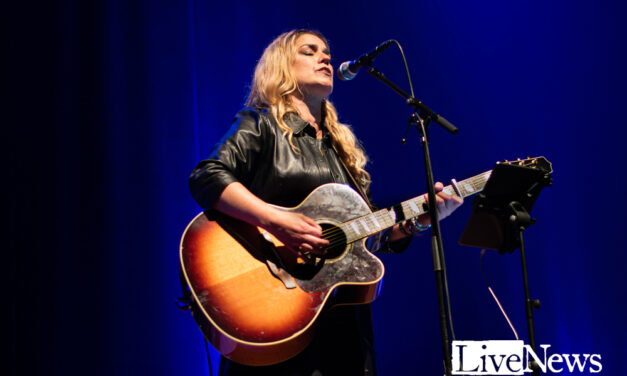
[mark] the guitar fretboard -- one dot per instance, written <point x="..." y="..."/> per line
<point x="383" y="219"/>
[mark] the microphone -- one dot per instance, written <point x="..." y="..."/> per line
<point x="348" y="69"/>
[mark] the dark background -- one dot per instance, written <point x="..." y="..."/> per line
<point x="111" y="104"/>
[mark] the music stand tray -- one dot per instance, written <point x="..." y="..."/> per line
<point x="504" y="206"/>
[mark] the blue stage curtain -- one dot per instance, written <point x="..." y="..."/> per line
<point x="111" y="104"/>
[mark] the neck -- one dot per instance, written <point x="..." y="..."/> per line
<point x="309" y="109"/>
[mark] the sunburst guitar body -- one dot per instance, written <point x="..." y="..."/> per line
<point x="255" y="300"/>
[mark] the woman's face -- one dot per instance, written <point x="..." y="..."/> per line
<point x="312" y="67"/>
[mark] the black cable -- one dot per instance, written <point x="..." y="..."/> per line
<point x="208" y="356"/>
<point x="411" y="86"/>
<point x="446" y="292"/>
<point x="485" y="280"/>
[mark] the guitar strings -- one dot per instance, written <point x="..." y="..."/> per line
<point x="336" y="235"/>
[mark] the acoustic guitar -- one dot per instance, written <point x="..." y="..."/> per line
<point x="257" y="302"/>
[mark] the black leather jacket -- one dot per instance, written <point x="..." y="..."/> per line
<point x="255" y="153"/>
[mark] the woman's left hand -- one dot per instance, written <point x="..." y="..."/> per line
<point x="446" y="204"/>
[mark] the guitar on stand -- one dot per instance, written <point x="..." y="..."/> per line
<point x="257" y="302"/>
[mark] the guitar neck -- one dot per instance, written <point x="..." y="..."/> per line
<point x="383" y="219"/>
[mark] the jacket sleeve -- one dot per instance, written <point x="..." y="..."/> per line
<point x="386" y="246"/>
<point x="233" y="159"/>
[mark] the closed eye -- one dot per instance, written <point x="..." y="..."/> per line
<point x="311" y="49"/>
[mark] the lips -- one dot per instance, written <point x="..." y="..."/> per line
<point x="326" y="71"/>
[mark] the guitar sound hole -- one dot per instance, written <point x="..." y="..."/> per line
<point x="336" y="238"/>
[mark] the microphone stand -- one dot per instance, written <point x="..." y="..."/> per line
<point x="421" y="118"/>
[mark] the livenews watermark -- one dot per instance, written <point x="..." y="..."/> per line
<point x="514" y="358"/>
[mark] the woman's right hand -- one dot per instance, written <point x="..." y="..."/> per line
<point x="298" y="232"/>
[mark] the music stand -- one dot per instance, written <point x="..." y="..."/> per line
<point x="501" y="214"/>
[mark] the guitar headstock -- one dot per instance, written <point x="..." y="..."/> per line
<point x="539" y="163"/>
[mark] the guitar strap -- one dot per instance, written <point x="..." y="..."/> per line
<point x="354" y="181"/>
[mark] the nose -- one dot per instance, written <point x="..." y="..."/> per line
<point x="324" y="58"/>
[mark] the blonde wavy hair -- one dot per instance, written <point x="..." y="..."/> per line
<point x="272" y="84"/>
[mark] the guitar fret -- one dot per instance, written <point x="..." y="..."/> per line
<point x="407" y="212"/>
<point x="386" y="217"/>
<point x="354" y="226"/>
<point x="375" y="221"/>
<point x="346" y="230"/>
<point x="354" y="234"/>
<point x="462" y="191"/>
<point x="466" y="191"/>
<point x="365" y="225"/>
<point x="468" y="187"/>
<point x="413" y="206"/>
